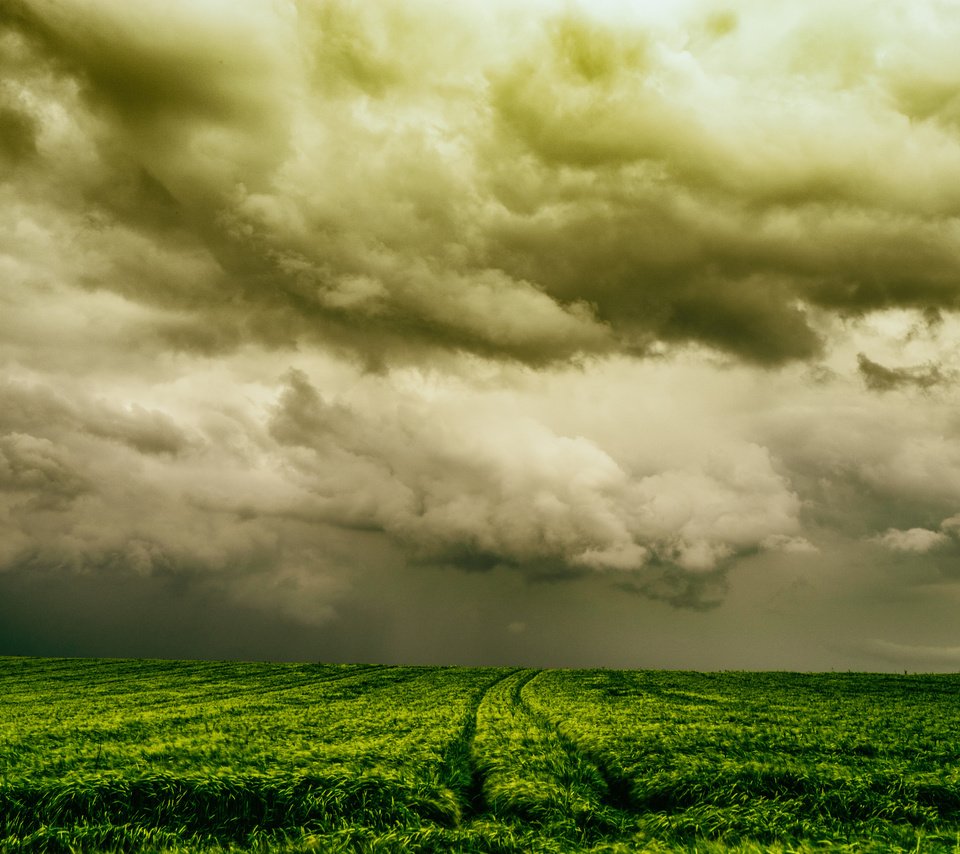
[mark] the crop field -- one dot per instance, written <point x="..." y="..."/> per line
<point x="113" y="755"/>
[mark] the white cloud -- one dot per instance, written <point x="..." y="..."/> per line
<point x="447" y="474"/>
<point x="951" y="524"/>
<point x="919" y="540"/>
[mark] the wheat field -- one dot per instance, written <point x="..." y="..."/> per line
<point x="128" y="755"/>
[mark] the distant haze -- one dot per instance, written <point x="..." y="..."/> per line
<point x="553" y="333"/>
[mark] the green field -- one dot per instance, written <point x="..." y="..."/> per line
<point x="107" y="755"/>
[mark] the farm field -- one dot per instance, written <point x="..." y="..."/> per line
<point x="117" y="755"/>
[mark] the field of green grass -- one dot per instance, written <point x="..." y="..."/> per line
<point x="113" y="755"/>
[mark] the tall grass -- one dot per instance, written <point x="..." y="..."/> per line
<point x="221" y="757"/>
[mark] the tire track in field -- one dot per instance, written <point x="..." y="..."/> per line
<point x="616" y="794"/>
<point x="531" y="773"/>
<point x="459" y="763"/>
<point x="479" y="774"/>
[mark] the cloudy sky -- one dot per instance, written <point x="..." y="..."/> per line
<point x="554" y="333"/>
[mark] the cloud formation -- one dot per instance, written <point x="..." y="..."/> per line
<point x="878" y="377"/>
<point x="301" y="302"/>
<point x="913" y="540"/>
<point x="449" y="475"/>
<point x="535" y="185"/>
<point x="500" y="487"/>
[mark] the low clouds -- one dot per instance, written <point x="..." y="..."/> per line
<point x="503" y="486"/>
<point x="446" y="472"/>
<point x="279" y="493"/>
<point x="116" y="492"/>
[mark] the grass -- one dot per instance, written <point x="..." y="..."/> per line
<point x="109" y="755"/>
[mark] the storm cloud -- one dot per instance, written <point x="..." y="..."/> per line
<point x="878" y="377"/>
<point x="502" y="485"/>
<point x="341" y="313"/>
<point x="530" y="187"/>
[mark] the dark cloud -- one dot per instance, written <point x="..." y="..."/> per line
<point x="681" y="590"/>
<point x="877" y="377"/>
<point x="584" y="190"/>
<point x="159" y="72"/>
<point x="18" y="132"/>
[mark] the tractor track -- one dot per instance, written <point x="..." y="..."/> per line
<point x="616" y="794"/>
<point x="465" y="774"/>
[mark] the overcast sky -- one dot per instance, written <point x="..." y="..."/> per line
<point x="548" y="333"/>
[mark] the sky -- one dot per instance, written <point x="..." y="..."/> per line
<point x="568" y="334"/>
